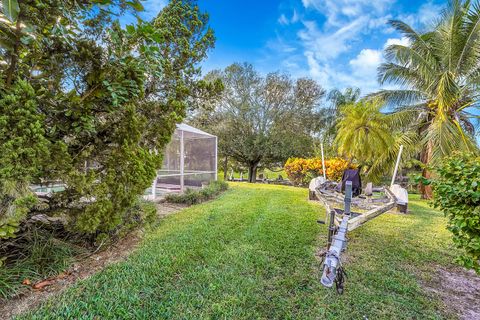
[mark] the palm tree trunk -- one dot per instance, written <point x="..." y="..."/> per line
<point x="426" y="157"/>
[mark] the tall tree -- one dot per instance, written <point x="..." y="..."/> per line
<point x="439" y="71"/>
<point x="262" y="120"/>
<point x="91" y="104"/>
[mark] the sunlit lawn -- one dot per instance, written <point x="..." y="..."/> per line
<point x="250" y="254"/>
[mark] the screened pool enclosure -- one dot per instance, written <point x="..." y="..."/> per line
<point x="190" y="160"/>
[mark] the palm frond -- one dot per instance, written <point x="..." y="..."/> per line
<point x="470" y="44"/>
<point x="399" y="97"/>
<point x="401" y="75"/>
<point x="446" y="137"/>
<point x="408" y="56"/>
<point x="409" y="33"/>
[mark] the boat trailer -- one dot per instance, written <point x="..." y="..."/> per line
<point x="340" y="222"/>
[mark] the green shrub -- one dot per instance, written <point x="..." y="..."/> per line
<point x="142" y="214"/>
<point x="300" y="170"/>
<point x="457" y="194"/>
<point x="98" y="138"/>
<point x="23" y="148"/>
<point x="192" y="196"/>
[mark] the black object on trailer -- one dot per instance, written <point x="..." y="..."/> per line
<point x="352" y="175"/>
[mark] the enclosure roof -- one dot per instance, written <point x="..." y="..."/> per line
<point x="186" y="128"/>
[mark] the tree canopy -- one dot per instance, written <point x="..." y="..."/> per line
<point x="439" y="74"/>
<point x="262" y="120"/>
<point x="91" y="104"/>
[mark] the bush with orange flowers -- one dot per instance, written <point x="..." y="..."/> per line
<point x="300" y="170"/>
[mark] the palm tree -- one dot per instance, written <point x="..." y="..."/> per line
<point x="327" y="122"/>
<point x="339" y="98"/>
<point x="439" y="75"/>
<point x="364" y="133"/>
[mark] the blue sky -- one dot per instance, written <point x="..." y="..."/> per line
<point x="336" y="42"/>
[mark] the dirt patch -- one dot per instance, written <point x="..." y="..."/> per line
<point x="81" y="270"/>
<point x="459" y="290"/>
<point x="164" y="209"/>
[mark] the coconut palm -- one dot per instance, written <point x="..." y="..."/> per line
<point x="439" y="75"/>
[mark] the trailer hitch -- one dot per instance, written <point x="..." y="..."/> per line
<point x="333" y="271"/>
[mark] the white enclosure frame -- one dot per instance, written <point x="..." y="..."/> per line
<point x="190" y="160"/>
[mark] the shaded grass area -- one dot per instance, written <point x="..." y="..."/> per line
<point x="41" y="255"/>
<point x="250" y="254"/>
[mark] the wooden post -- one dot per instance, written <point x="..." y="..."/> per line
<point x="216" y="158"/>
<point x="323" y="162"/>
<point x="396" y="165"/>
<point x="154" y="188"/>
<point x="182" y="162"/>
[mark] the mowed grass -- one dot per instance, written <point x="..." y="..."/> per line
<point x="250" y="255"/>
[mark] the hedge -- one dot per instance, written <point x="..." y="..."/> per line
<point x="192" y="196"/>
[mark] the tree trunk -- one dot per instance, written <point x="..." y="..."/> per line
<point x="14" y="58"/>
<point x="426" y="157"/>
<point x="252" y="173"/>
<point x="225" y="169"/>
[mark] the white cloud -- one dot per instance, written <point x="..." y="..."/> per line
<point x="339" y="11"/>
<point x="401" y="41"/>
<point x="315" y="69"/>
<point x="153" y="7"/>
<point x="333" y="51"/>
<point x="278" y="45"/>
<point x="426" y="15"/>
<point x="360" y="72"/>
<point x="295" y="17"/>
<point x="366" y="61"/>
<point x="283" y="20"/>
<point x="329" y="45"/>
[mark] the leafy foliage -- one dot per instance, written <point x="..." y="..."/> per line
<point x="457" y="194"/>
<point x="372" y="138"/>
<point x="89" y="104"/>
<point x="364" y="132"/>
<point x="439" y="74"/>
<point x="331" y="114"/>
<point x="23" y="152"/>
<point x="300" y="171"/>
<point x="192" y="196"/>
<point x="262" y="121"/>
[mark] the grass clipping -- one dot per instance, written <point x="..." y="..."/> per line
<point x="192" y="196"/>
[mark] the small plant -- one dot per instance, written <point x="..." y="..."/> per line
<point x="192" y="196"/>
<point x="35" y="255"/>
<point x="457" y="194"/>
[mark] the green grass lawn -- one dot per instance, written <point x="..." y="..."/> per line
<point x="250" y="255"/>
